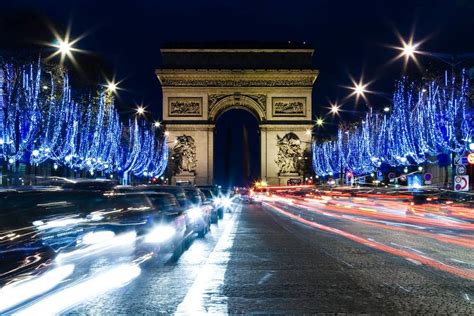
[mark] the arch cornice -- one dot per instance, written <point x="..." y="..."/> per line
<point x="219" y="103"/>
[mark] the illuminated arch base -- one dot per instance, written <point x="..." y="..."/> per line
<point x="194" y="98"/>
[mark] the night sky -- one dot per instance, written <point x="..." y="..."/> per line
<point x="349" y="37"/>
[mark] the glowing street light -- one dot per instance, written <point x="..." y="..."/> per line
<point x="386" y="109"/>
<point x="319" y="122"/>
<point x="334" y="109"/>
<point x="157" y="124"/>
<point x="408" y="50"/>
<point x="65" y="46"/>
<point x="359" y="89"/>
<point x="308" y="132"/>
<point x="140" y="110"/>
<point x="111" y="86"/>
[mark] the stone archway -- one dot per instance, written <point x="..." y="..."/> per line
<point x="219" y="103"/>
<point x="201" y="84"/>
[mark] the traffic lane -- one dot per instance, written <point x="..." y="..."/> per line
<point x="160" y="288"/>
<point x="278" y="265"/>
<point x="440" y="251"/>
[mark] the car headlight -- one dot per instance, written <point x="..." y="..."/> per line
<point x="97" y="237"/>
<point x="160" y="234"/>
<point x="226" y="202"/>
<point x="195" y="213"/>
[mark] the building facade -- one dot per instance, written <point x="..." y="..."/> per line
<point x="273" y="83"/>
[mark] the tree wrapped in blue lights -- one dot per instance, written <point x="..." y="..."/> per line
<point x="19" y="110"/>
<point x="425" y="121"/>
<point x="41" y="122"/>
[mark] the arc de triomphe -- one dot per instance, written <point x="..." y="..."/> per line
<point x="274" y="84"/>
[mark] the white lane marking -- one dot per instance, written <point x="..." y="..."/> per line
<point x="408" y="247"/>
<point x="418" y="263"/>
<point x="205" y="296"/>
<point x="265" y="278"/>
<point x="405" y="289"/>
<point x="460" y="261"/>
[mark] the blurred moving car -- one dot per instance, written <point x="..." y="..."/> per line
<point x="219" y="201"/>
<point x="38" y="225"/>
<point x="245" y="195"/>
<point x="185" y="205"/>
<point x="199" y="209"/>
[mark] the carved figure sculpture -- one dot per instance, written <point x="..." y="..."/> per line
<point x="184" y="154"/>
<point x="289" y="150"/>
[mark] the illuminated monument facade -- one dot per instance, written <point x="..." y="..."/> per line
<point x="274" y="83"/>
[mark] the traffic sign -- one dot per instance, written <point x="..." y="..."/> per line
<point x="427" y="177"/>
<point x="461" y="160"/>
<point x="461" y="183"/>
<point x="460" y="170"/>
<point x="470" y="158"/>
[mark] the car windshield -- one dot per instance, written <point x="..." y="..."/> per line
<point x="207" y="193"/>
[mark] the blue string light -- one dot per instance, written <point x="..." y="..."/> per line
<point x="425" y="121"/>
<point x="40" y="122"/>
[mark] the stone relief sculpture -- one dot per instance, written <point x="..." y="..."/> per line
<point x="289" y="106"/>
<point x="289" y="150"/>
<point x="185" y="106"/>
<point x="184" y="154"/>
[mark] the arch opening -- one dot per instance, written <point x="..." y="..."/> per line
<point x="236" y="147"/>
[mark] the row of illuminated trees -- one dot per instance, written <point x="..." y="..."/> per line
<point x="43" y="120"/>
<point x="425" y="123"/>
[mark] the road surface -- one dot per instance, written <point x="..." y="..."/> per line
<point x="269" y="258"/>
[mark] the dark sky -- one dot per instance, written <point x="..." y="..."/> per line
<point x="349" y="37"/>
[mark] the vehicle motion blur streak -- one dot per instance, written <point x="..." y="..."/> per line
<point x="211" y="275"/>
<point x="379" y="246"/>
<point x="63" y="299"/>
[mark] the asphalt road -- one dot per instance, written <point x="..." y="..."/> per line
<point x="261" y="260"/>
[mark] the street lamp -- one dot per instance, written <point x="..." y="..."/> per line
<point x="334" y="110"/>
<point x="386" y="109"/>
<point x="140" y="110"/>
<point x="359" y="89"/>
<point x="308" y="132"/>
<point x="157" y="124"/>
<point x="319" y="122"/>
<point x="111" y="86"/>
<point x="408" y="50"/>
<point x="65" y="46"/>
